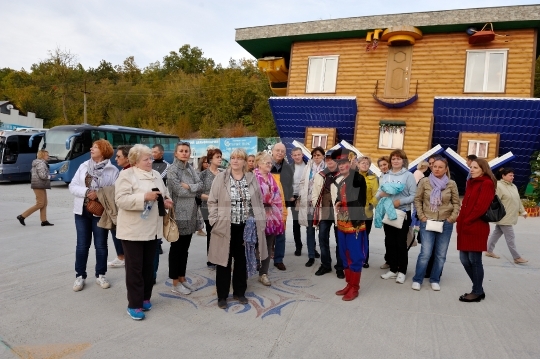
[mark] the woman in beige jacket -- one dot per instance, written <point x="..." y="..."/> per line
<point x="509" y="196"/>
<point x="235" y="196"/>
<point x="140" y="225"/>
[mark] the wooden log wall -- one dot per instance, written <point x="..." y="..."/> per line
<point x="310" y="131"/>
<point x="493" y="147"/>
<point x="438" y="64"/>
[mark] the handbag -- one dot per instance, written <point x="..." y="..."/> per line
<point x="170" y="228"/>
<point x="398" y="222"/>
<point x="495" y="212"/>
<point x="94" y="207"/>
<point x="434" y="226"/>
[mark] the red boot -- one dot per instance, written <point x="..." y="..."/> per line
<point x="348" y="280"/>
<point x="354" y="281"/>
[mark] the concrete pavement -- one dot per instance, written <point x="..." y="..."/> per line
<point x="297" y="317"/>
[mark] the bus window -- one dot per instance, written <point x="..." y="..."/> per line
<point x="98" y="135"/>
<point x="133" y="139"/>
<point x="116" y="139"/>
<point x="11" y="150"/>
<point x="147" y="140"/>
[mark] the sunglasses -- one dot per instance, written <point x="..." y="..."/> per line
<point x="183" y="143"/>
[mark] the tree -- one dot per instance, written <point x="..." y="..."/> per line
<point x="189" y="59"/>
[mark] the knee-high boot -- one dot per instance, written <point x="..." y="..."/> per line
<point x="348" y="279"/>
<point x="354" y="281"/>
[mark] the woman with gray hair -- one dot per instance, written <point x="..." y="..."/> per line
<point x="235" y="204"/>
<point x="183" y="183"/>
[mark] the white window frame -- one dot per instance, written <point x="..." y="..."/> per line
<point x="468" y="71"/>
<point x="321" y="78"/>
<point x="319" y="140"/>
<point x="392" y="134"/>
<point x="476" y="150"/>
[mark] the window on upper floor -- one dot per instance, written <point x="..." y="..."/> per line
<point x="319" y="140"/>
<point x="322" y="74"/>
<point x="486" y="71"/>
<point x="478" y="148"/>
<point x="391" y="134"/>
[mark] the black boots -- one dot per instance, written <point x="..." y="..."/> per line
<point x="21" y="219"/>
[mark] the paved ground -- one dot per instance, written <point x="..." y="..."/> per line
<point x="298" y="317"/>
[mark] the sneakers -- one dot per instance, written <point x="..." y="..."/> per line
<point x="116" y="263"/>
<point x="520" y="260"/>
<point x="435" y="286"/>
<point x="146" y="305"/>
<point x="102" y="282"/>
<point x="417" y="286"/>
<point x="21" y="220"/>
<point x="492" y="255"/>
<point x="400" y="278"/>
<point x="135" y="314"/>
<point x="180" y="289"/>
<point x="264" y="280"/>
<point x="389" y="275"/>
<point x="191" y="287"/>
<point x="385" y="266"/>
<point x="79" y="284"/>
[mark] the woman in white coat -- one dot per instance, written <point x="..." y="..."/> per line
<point x="305" y="213"/>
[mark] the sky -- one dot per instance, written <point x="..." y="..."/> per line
<point x="113" y="30"/>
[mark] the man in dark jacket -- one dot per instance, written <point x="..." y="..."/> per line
<point x="283" y="172"/>
<point x="159" y="163"/>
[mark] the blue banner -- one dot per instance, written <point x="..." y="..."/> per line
<point x="227" y="145"/>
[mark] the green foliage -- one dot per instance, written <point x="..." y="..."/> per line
<point x="186" y="94"/>
<point x="535" y="177"/>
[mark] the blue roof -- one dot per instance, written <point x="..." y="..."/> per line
<point x="293" y="114"/>
<point x="516" y="119"/>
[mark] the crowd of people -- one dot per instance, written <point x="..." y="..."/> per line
<point x="244" y="210"/>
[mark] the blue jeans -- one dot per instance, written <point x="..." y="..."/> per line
<point x="310" y="233"/>
<point x="86" y="226"/>
<point x="324" y="244"/>
<point x="117" y="243"/>
<point x="472" y="262"/>
<point x="436" y="243"/>
<point x="279" y="249"/>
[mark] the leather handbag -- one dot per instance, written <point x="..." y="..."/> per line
<point x="95" y="207"/>
<point x="170" y="228"/>
<point x="495" y="212"/>
<point x="434" y="226"/>
<point x="398" y="222"/>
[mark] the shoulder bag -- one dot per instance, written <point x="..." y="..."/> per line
<point x="170" y="228"/>
<point x="434" y="226"/>
<point x="398" y="222"/>
<point x="94" y="207"/>
<point x="495" y="212"/>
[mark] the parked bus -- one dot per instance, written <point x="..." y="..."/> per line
<point x="69" y="146"/>
<point x="18" y="148"/>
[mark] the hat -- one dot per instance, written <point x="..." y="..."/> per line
<point x="341" y="154"/>
<point x="329" y="153"/>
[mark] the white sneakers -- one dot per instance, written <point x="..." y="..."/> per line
<point x="264" y="280"/>
<point x="116" y="263"/>
<point x="435" y="286"/>
<point x="400" y="278"/>
<point x="102" y="282"/>
<point x="180" y="289"/>
<point x="191" y="287"/>
<point x="416" y="286"/>
<point x="79" y="284"/>
<point x="389" y="275"/>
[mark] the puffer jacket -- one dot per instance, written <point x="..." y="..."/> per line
<point x="185" y="208"/>
<point x="40" y="175"/>
<point x="386" y="204"/>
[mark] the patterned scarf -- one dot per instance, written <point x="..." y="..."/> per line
<point x="95" y="170"/>
<point x="272" y="201"/>
<point x="437" y="185"/>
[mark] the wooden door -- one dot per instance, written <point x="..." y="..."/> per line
<point x="398" y="72"/>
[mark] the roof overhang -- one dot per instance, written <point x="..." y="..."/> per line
<point x="274" y="40"/>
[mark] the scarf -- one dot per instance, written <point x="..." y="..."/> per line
<point x="437" y="185"/>
<point x="95" y="170"/>
<point x="273" y="205"/>
<point x="250" y="239"/>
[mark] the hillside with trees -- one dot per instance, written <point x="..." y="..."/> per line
<point x="185" y="94"/>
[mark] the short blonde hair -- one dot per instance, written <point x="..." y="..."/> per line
<point x="422" y="166"/>
<point x="260" y="156"/>
<point x="41" y="154"/>
<point x="241" y="153"/>
<point x="136" y="152"/>
<point x="364" y="158"/>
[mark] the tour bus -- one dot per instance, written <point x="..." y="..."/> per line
<point x="69" y="145"/>
<point x="18" y="148"/>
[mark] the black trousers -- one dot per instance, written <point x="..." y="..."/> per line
<point x="178" y="256"/>
<point x="239" y="275"/>
<point x="139" y="264"/>
<point x="296" y="226"/>
<point x="369" y="224"/>
<point x="395" y="241"/>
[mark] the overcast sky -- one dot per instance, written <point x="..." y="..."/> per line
<point x="115" y="29"/>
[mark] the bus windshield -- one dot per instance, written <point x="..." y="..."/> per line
<point x="55" y="143"/>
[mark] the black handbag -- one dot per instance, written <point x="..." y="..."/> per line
<point x="495" y="212"/>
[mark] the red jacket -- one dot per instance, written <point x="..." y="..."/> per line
<point x="472" y="232"/>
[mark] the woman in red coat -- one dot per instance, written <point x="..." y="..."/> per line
<point x="472" y="231"/>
